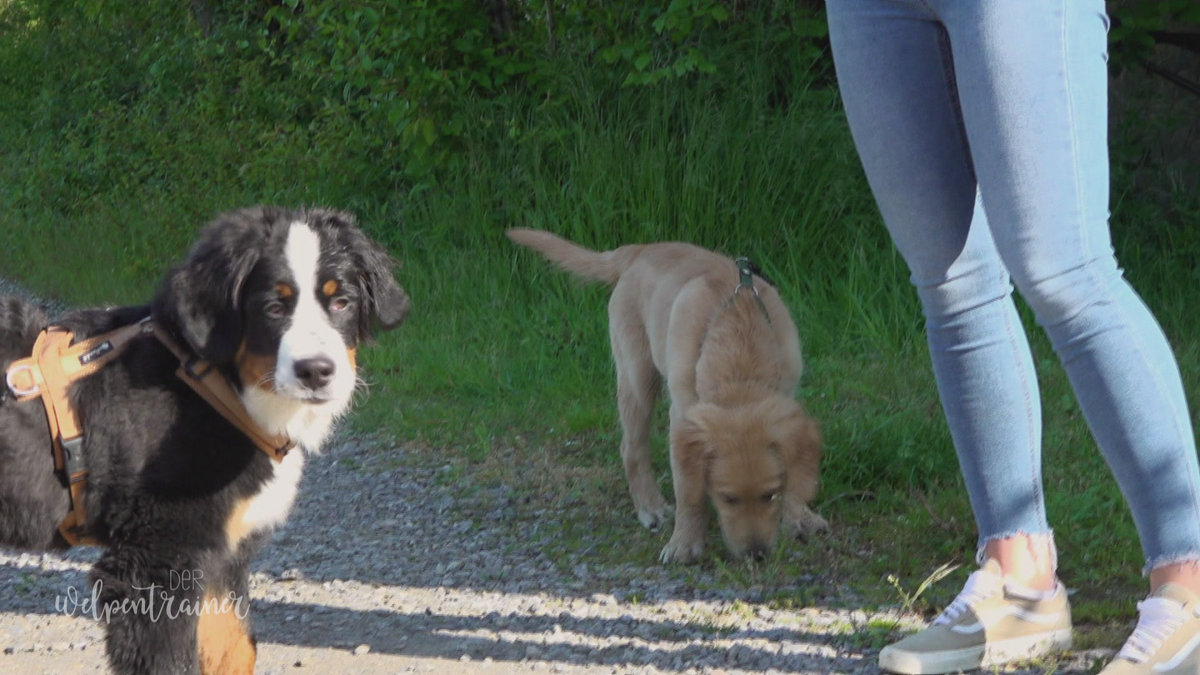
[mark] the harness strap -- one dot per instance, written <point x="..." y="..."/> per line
<point x="212" y="386"/>
<point x="48" y="372"/>
<point x="746" y="272"/>
<point x="56" y="363"/>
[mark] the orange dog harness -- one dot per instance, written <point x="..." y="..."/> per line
<point x="57" y="361"/>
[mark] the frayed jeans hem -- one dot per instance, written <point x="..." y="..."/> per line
<point x="1162" y="561"/>
<point x="1033" y="535"/>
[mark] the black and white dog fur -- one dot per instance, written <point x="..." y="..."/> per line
<point x="278" y="300"/>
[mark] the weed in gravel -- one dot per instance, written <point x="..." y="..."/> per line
<point x="910" y="599"/>
<point x="25" y="584"/>
<point x="872" y="635"/>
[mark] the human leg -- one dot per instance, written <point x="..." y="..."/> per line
<point x="1033" y="81"/>
<point x="896" y="74"/>
<point x="1033" y="87"/>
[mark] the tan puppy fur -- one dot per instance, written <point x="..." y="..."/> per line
<point x="737" y="432"/>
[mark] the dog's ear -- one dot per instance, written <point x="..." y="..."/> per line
<point x="800" y="449"/>
<point x="202" y="296"/>
<point x="692" y="440"/>
<point x="386" y="302"/>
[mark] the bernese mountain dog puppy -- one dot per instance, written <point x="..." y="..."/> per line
<point x="278" y="300"/>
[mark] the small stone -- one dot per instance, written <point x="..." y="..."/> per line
<point x="604" y="599"/>
<point x="291" y="574"/>
<point x="362" y="649"/>
<point x="298" y="664"/>
<point x="465" y="658"/>
<point x="10" y="650"/>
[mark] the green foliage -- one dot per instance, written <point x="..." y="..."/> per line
<point x="681" y="24"/>
<point x="1135" y="23"/>
<point x="396" y="79"/>
<point x="402" y="69"/>
<point x="413" y="72"/>
<point x="675" y="47"/>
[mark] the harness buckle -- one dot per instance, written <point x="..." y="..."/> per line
<point x="746" y="272"/>
<point x="196" y="368"/>
<point x="73" y="458"/>
<point x="16" y="389"/>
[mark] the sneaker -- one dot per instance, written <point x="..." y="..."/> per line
<point x="1166" y="638"/>
<point x="991" y="622"/>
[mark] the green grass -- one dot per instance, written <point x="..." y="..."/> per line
<point x="503" y="370"/>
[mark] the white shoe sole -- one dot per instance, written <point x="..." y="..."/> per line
<point x="992" y="654"/>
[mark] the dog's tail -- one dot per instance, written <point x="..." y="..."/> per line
<point x="605" y="266"/>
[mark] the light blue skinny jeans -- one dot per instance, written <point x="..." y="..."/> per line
<point x="982" y="128"/>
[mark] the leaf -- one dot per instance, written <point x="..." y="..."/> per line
<point x="633" y="79"/>
<point x="812" y="28"/>
<point x="397" y="115"/>
<point x="428" y="132"/>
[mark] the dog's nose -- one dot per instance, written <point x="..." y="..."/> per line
<point x="316" y="372"/>
<point x="757" y="551"/>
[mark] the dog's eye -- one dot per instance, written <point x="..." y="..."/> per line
<point x="275" y="309"/>
<point x="339" y="304"/>
<point x="770" y="497"/>
<point x="730" y="500"/>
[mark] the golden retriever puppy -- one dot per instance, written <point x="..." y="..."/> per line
<point x="731" y="366"/>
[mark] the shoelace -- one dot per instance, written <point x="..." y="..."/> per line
<point x="980" y="586"/>
<point x="1158" y="618"/>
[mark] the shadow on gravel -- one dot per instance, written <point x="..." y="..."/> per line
<point x="537" y="638"/>
<point x="668" y="645"/>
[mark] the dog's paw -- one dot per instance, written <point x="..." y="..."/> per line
<point x="682" y="549"/>
<point x="654" y="518"/>
<point x="806" y="522"/>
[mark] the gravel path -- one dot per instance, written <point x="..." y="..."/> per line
<point x="383" y="568"/>
<point x="389" y="565"/>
